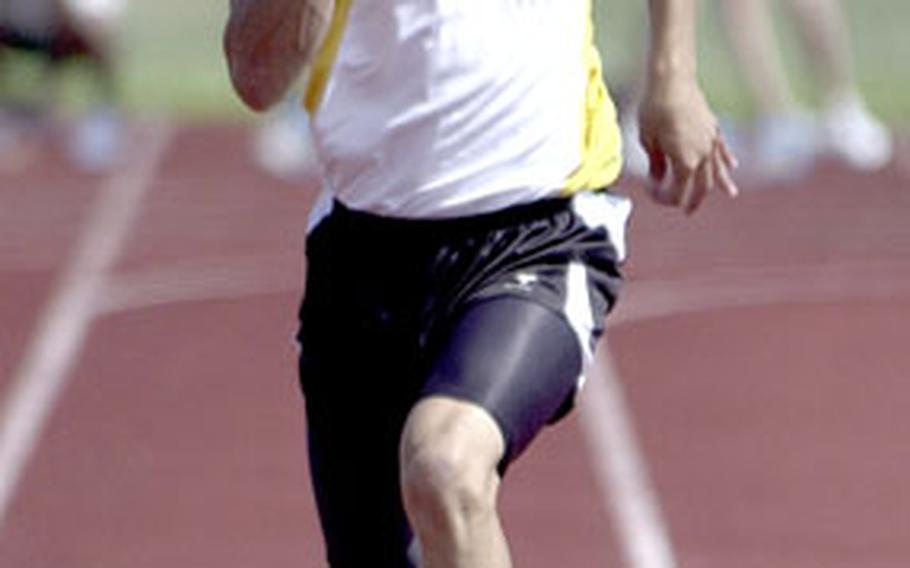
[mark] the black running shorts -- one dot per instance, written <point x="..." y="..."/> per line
<point x="501" y="309"/>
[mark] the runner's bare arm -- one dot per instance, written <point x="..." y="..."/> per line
<point x="678" y="130"/>
<point x="263" y="43"/>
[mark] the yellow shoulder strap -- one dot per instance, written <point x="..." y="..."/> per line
<point x="325" y="57"/>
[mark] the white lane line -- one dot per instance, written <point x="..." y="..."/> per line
<point x="767" y="286"/>
<point x="620" y="469"/>
<point x="229" y="278"/>
<point x="221" y="278"/>
<point x="606" y="420"/>
<point x="42" y="374"/>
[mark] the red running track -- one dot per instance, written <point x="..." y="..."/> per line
<point x="760" y="347"/>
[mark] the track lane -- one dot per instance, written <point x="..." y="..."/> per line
<point x="187" y="387"/>
<point x="113" y="468"/>
<point x="772" y="431"/>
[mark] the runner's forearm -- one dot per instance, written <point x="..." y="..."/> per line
<point x="688" y="156"/>
<point x="261" y="42"/>
<point x="672" y="48"/>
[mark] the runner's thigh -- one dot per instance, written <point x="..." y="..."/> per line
<point x="515" y="358"/>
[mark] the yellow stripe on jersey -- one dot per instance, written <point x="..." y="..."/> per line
<point x="325" y="57"/>
<point x="601" y="145"/>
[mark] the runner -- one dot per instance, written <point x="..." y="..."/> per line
<point x="468" y="246"/>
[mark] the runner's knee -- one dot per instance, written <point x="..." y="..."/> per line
<point x="449" y="452"/>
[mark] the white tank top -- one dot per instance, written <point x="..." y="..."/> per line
<point x="441" y="108"/>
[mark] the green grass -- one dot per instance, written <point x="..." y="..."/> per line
<point x="171" y="60"/>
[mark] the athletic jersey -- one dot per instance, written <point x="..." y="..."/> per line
<point x="441" y="108"/>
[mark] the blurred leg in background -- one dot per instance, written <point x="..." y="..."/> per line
<point x="787" y="137"/>
<point x="88" y="36"/>
<point x="848" y="128"/>
<point x="784" y="138"/>
<point x="24" y="28"/>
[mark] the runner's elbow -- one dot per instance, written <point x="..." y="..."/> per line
<point x="253" y="92"/>
<point x="251" y="80"/>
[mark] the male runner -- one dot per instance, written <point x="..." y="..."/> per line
<point x="459" y="274"/>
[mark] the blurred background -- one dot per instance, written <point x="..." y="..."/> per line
<point x="169" y="56"/>
<point x="151" y="238"/>
<point x="875" y="27"/>
<point x="166" y="60"/>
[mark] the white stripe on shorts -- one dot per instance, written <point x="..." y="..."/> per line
<point x="610" y="211"/>
<point x="607" y="210"/>
<point x="579" y="312"/>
